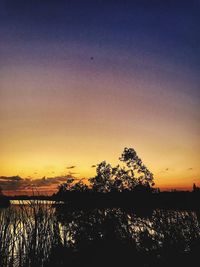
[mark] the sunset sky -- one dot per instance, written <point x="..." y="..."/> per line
<point x="80" y="80"/>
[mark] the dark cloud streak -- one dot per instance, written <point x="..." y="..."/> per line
<point x="71" y="167"/>
<point x="16" y="183"/>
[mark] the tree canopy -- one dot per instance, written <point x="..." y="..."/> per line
<point x="119" y="178"/>
<point x="128" y="176"/>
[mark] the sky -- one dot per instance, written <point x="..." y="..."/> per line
<point x="81" y="80"/>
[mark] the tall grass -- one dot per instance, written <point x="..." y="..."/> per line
<point x="37" y="235"/>
<point x="28" y="233"/>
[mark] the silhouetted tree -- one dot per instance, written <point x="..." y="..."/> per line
<point x="133" y="175"/>
<point x="195" y="188"/>
<point x="136" y="167"/>
<point x="65" y="187"/>
<point x="102" y="181"/>
<point x="118" y="178"/>
<point x="70" y="186"/>
<point x="79" y="187"/>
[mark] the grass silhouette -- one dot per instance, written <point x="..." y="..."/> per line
<point x="41" y="234"/>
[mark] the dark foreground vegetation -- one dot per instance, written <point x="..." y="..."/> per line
<point x="4" y="201"/>
<point x="118" y="219"/>
<point x="164" y="200"/>
<point x="39" y="234"/>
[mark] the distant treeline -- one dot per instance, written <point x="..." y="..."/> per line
<point x="181" y="200"/>
<point x="172" y="200"/>
<point x="129" y="185"/>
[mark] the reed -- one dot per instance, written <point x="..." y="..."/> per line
<point x="35" y="234"/>
<point x="28" y="233"/>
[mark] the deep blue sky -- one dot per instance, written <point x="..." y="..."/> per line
<point x="168" y="28"/>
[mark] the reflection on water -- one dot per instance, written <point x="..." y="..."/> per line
<point x="42" y="234"/>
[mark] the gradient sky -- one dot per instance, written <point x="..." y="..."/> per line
<point x="80" y="80"/>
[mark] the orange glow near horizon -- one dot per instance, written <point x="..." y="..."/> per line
<point x="81" y="113"/>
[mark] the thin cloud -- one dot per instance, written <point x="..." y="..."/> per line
<point x="17" y="184"/>
<point x="11" y="178"/>
<point x="71" y="167"/>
